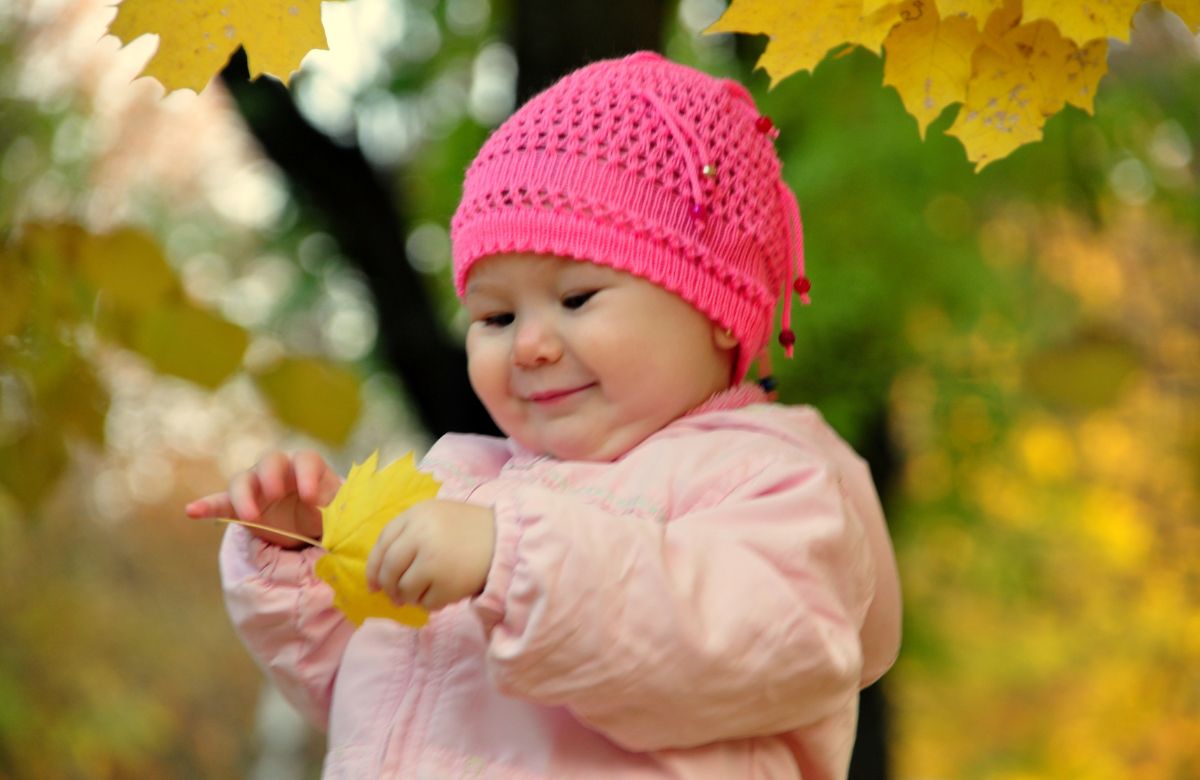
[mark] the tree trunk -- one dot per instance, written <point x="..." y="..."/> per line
<point x="338" y="188"/>
<point x="872" y="759"/>
<point x="554" y="37"/>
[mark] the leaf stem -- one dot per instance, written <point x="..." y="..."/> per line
<point x="261" y="527"/>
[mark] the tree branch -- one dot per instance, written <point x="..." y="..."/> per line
<point x="338" y="187"/>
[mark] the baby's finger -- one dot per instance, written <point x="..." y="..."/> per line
<point x="394" y="565"/>
<point x="244" y="492"/>
<point x="316" y="483"/>
<point x="328" y="487"/>
<point x="216" y="505"/>
<point x="414" y="585"/>
<point x="275" y="476"/>
<point x="434" y="598"/>
<point x="387" y="536"/>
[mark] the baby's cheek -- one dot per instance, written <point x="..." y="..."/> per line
<point x="484" y="367"/>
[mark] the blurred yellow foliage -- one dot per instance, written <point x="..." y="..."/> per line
<point x="1047" y="451"/>
<point x="313" y="395"/>
<point x="1053" y="591"/>
<point x="1116" y="523"/>
<point x="187" y="341"/>
<point x="126" y="267"/>
<point x="67" y="294"/>
<point x="96" y="681"/>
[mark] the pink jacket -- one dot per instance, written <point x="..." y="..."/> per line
<point x="707" y="606"/>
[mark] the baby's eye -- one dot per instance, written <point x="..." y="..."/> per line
<point x="498" y="320"/>
<point x="577" y="300"/>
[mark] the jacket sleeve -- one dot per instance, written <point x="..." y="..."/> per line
<point x="740" y="618"/>
<point x="285" y="616"/>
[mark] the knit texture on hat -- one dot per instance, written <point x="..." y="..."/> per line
<point x="649" y="167"/>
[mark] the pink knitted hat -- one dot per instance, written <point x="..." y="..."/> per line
<point x="652" y="168"/>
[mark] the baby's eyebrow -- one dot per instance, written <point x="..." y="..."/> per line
<point x="482" y="288"/>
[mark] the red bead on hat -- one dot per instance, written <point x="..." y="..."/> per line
<point x="765" y="126"/>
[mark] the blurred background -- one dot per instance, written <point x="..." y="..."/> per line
<point x="187" y="281"/>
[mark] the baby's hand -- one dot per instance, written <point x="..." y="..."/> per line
<point x="282" y="491"/>
<point x="435" y="554"/>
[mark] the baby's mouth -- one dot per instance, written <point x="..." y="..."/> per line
<point x="550" y="396"/>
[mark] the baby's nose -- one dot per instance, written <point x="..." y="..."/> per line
<point x="537" y="342"/>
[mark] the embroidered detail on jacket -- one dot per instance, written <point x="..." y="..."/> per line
<point x="458" y="481"/>
<point x="638" y="505"/>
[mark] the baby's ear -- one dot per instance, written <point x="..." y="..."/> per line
<point x="724" y="338"/>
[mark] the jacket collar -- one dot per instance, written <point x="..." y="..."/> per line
<point x="733" y="398"/>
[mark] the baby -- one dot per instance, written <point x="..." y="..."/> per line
<point x="659" y="572"/>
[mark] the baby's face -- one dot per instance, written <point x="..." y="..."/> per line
<point x="584" y="362"/>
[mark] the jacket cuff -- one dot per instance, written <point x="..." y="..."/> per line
<point x="489" y="604"/>
<point x="244" y="556"/>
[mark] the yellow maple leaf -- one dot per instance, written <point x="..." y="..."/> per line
<point x="1187" y="10"/>
<point x="1085" y="67"/>
<point x="1002" y="19"/>
<point x="1087" y="20"/>
<point x="977" y="9"/>
<point x="929" y="62"/>
<point x="1019" y="79"/>
<point x="999" y="114"/>
<point x="1042" y="54"/>
<point x="872" y="28"/>
<point x="364" y="504"/>
<point x="196" y="37"/>
<point x="801" y="36"/>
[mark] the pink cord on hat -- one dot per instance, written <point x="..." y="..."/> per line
<point x="687" y="141"/>
<point x="796" y="280"/>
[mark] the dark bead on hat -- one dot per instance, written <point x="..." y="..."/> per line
<point x="787" y="338"/>
<point x="764" y="124"/>
<point x="768" y="384"/>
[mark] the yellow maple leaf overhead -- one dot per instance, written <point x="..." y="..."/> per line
<point x="1085" y="21"/>
<point x="929" y="63"/>
<point x="802" y="34"/>
<point x="197" y="37"/>
<point x="976" y="9"/>
<point x="1021" y="78"/>
<point x="1001" y="111"/>
<point x="1086" y="65"/>
<point x="364" y="504"/>
<point x="1008" y="64"/>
